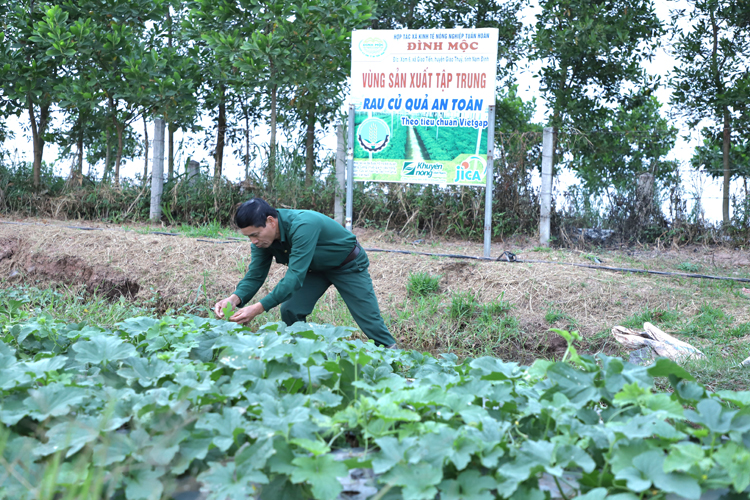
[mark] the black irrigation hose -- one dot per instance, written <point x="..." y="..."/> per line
<point x="512" y="259"/>
<point x="589" y="266"/>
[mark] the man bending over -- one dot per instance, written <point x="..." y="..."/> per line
<point x="319" y="252"/>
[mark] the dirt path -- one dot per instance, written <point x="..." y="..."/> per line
<point x="177" y="270"/>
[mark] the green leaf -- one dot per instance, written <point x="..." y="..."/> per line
<point x="115" y="448"/>
<point x="683" y="456"/>
<point x="13" y="409"/>
<point x="735" y="460"/>
<point x="316" y="447"/>
<point x="595" y="494"/>
<point x="53" y="400"/>
<point x="41" y="367"/>
<point x="146" y="371"/>
<point x="321" y="473"/>
<point x="649" y="468"/>
<point x="740" y="398"/>
<point x="144" y="484"/>
<point x="634" y="478"/>
<point x="664" y="367"/>
<point x="72" y="435"/>
<point x="194" y="448"/>
<point x="490" y="368"/>
<point x="470" y="485"/>
<point x="418" y="480"/>
<point x="712" y="415"/>
<point x="280" y="488"/>
<point x="393" y="413"/>
<point x="225" y="427"/>
<point x="392" y="451"/>
<point x="221" y="481"/>
<point x="101" y="349"/>
<point x="254" y="458"/>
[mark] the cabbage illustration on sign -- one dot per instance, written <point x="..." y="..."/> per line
<point x="373" y="135"/>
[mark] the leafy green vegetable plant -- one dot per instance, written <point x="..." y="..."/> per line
<point x="228" y="310"/>
<point x="132" y="411"/>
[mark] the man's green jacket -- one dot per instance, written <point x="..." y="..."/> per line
<point x="309" y="241"/>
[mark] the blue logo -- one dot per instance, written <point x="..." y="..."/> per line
<point x="373" y="135"/>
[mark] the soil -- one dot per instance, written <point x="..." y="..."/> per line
<point x="174" y="271"/>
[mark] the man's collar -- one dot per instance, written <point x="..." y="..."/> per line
<point x="282" y="228"/>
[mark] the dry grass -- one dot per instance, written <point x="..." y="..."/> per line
<point x="180" y="271"/>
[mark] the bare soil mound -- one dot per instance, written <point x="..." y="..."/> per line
<point x="64" y="268"/>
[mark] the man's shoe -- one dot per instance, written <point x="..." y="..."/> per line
<point x="392" y="346"/>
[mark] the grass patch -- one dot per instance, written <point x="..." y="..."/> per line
<point x="689" y="267"/>
<point x="463" y="305"/>
<point x="542" y="249"/>
<point x="68" y="304"/>
<point x="710" y="322"/>
<point x="664" y="317"/>
<point x="422" y="284"/>
<point x="211" y="229"/>
<point x="553" y="316"/>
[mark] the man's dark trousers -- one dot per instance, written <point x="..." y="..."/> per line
<point x="353" y="282"/>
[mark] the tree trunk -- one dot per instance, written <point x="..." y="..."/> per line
<point x="272" y="145"/>
<point x="170" y="156"/>
<point x="247" y="142"/>
<point x="107" y="156"/>
<point x="727" y="172"/>
<point x="221" y="127"/>
<point x="118" y="159"/>
<point x="310" y="146"/>
<point x="79" y="168"/>
<point x="37" y="131"/>
<point x="119" y="131"/>
<point x="76" y="169"/>
<point x="145" y="148"/>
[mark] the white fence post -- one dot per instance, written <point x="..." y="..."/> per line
<point x="546" y="201"/>
<point x="338" y="207"/>
<point x="157" y="171"/>
<point x="192" y="171"/>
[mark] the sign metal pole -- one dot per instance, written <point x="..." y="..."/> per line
<point x="546" y="201"/>
<point x="490" y="177"/>
<point x="350" y="169"/>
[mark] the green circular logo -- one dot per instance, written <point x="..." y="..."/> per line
<point x="373" y="47"/>
<point x="373" y="134"/>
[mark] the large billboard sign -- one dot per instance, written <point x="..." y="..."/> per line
<point x="421" y="100"/>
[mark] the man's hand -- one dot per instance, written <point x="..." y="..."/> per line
<point x="246" y="314"/>
<point x="220" y="305"/>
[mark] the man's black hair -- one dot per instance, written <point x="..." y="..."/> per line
<point x="254" y="213"/>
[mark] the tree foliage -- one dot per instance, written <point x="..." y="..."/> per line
<point x="711" y="81"/>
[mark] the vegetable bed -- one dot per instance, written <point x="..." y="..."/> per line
<point x="137" y="412"/>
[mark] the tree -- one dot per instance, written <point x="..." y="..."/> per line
<point x="431" y="14"/>
<point x="591" y="53"/>
<point x="31" y="69"/>
<point x="215" y="29"/>
<point x="114" y="71"/>
<point x="629" y="140"/>
<point x="710" y="81"/>
<point x="320" y="65"/>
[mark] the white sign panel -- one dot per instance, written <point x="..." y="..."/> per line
<point x="421" y="99"/>
<point x="406" y="71"/>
